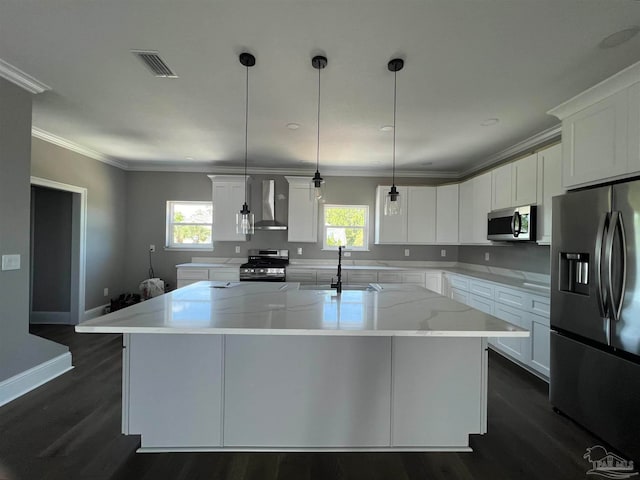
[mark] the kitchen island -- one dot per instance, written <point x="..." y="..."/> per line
<point x="268" y="366"/>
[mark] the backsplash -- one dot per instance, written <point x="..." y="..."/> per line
<point x="528" y="257"/>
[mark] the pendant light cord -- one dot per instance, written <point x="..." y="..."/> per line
<point x="318" y="131"/>
<point x="246" y="133"/>
<point x="393" y="174"/>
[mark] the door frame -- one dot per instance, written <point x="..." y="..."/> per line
<point x="78" y="244"/>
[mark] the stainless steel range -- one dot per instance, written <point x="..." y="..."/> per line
<point x="265" y="266"/>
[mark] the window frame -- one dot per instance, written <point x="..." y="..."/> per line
<point x="169" y="224"/>
<point x="365" y="228"/>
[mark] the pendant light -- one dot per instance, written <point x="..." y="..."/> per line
<point x="393" y="200"/>
<point x="244" y="219"/>
<point x="318" y="62"/>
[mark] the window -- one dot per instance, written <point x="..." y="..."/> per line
<point x="189" y="225"/>
<point x="346" y="225"/>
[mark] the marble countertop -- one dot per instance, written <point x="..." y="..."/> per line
<point x="528" y="285"/>
<point x="262" y="308"/>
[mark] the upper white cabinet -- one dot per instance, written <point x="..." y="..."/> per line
<point x="303" y="211"/>
<point x="475" y="203"/>
<point x="601" y="131"/>
<point x="416" y="224"/>
<point x="228" y="197"/>
<point x="390" y="228"/>
<point x="421" y="215"/>
<point x="515" y="183"/>
<point x="549" y="185"/>
<point x="447" y="198"/>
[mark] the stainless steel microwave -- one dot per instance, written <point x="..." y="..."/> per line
<point x="517" y="224"/>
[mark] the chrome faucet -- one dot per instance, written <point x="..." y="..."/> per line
<point x="338" y="284"/>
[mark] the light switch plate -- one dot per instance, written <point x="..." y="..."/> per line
<point x="407" y="252"/>
<point x="486" y="256"/>
<point x="237" y="248"/>
<point x="443" y="253"/>
<point x="347" y="254"/>
<point x="299" y="250"/>
<point x="11" y="262"/>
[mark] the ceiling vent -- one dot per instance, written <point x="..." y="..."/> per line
<point x="152" y="60"/>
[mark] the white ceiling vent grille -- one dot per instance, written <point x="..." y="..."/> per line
<point x="153" y="61"/>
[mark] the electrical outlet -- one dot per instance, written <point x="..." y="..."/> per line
<point x="443" y="253"/>
<point x="11" y="262"/>
<point x="486" y="256"/>
<point x="407" y="252"/>
<point x="347" y="254"/>
<point x="152" y="248"/>
<point x="237" y="248"/>
<point x="299" y="250"/>
<point x="106" y="292"/>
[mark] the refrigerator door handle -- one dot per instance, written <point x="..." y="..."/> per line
<point x="600" y="290"/>
<point x="616" y="222"/>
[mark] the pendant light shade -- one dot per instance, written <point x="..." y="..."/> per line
<point x="244" y="218"/>
<point x="318" y="62"/>
<point x="393" y="200"/>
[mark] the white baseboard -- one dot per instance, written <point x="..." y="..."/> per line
<point x="24" y="382"/>
<point x="94" y="312"/>
<point x="61" y="318"/>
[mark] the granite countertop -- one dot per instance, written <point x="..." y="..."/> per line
<point x="263" y="308"/>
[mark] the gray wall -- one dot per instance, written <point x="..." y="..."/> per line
<point x="106" y="214"/>
<point x="517" y="256"/>
<point x="19" y="351"/>
<point x="51" y="212"/>
<point x="148" y="192"/>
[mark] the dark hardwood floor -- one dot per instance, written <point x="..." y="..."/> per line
<point x="69" y="429"/>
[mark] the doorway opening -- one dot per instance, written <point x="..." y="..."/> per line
<point x="58" y="245"/>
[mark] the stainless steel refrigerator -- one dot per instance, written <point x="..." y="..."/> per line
<point x="595" y="312"/>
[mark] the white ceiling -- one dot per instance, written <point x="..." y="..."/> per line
<point x="466" y="61"/>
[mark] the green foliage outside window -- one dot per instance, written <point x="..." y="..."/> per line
<point x="345" y="225"/>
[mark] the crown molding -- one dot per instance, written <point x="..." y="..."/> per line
<point x="22" y="79"/>
<point x="609" y="86"/>
<point x="529" y="144"/>
<point x="230" y="170"/>
<point x="74" y="147"/>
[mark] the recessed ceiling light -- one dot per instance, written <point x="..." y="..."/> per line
<point x="619" y="38"/>
<point x="489" y="121"/>
<point x="386" y="128"/>
<point x="293" y="126"/>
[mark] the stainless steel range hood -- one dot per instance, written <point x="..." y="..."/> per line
<point x="268" y="221"/>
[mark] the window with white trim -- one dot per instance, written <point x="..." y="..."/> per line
<point x="189" y="225"/>
<point x="346" y="225"/>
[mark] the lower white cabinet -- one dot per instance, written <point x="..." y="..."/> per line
<point x="432" y="281"/>
<point x="188" y="275"/>
<point x="517" y="348"/>
<point x="355" y="277"/>
<point x="515" y="306"/>
<point x="301" y="275"/>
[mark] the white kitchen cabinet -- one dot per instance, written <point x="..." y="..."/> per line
<point x="540" y="348"/>
<point x="187" y="276"/>
<point x="481" y="207"/>
<point x="228" y="197"/>
<point x="359" y="277"/>
<point x="515" y="183"/>
<point x="325" y="277"/>
<point x="421" y="215"/>
<point x="501" y="187"/>
<point x="416" y="225"/>
<point x="447" y="198"/>
<point x="432" y="281"/>
<point x="517" y="348"/>
<point x="549" y="185"/>
<point x="301" y="275"/>
<point x="303" y="211"/>
<point x="524" y="178"/>
<point x="390" y="229"/>
<point x="465" y="215"/>
<point x="389" y="277"/>
<point x="225" y="274"/>
<point x="521" y="308"/>
<point x="475" y="203"/>
<point x="600" y="134"/>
